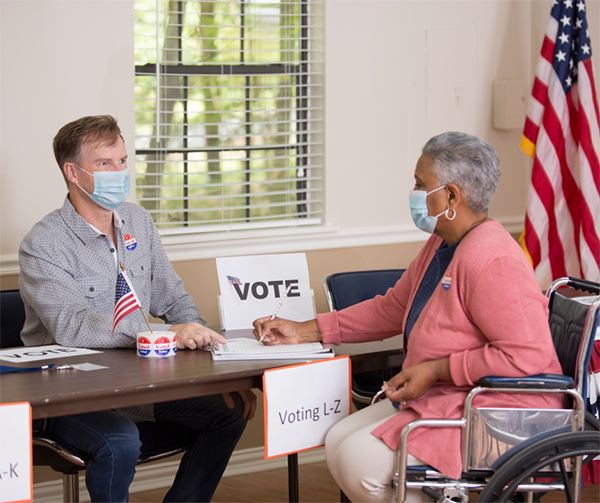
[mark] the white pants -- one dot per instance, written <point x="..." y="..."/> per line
<point x="361" y="464"/>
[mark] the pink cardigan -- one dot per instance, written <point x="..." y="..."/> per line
<point x="487" y="314"/>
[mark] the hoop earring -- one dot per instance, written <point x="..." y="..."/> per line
<point x="453" y="216"/>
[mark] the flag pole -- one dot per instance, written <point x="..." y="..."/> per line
<point x="141" y="308"/>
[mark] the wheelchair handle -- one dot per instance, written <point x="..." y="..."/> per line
<point x="583" y="285"/>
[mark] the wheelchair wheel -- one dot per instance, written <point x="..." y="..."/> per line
<point x="550" y="455"/>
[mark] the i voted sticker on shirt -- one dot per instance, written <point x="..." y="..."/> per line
<point x="130" y="242"/>
<point x="447" y="281"/>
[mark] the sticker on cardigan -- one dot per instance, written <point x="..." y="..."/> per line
<point x="130" y="242"/>
<point x="447" y="281"/>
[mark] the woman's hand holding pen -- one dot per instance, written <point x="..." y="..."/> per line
<point x="413" y="382"/>
<point x="281" y="331"/>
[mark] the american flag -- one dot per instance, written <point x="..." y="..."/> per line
<point x="233" y="280"/>
<point x="126" y="301"/>
<point x="562" y="135"/>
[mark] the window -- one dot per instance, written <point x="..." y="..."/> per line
<point x="229" y="113"/>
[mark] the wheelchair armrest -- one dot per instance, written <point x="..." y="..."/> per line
<point x="538" y="381"/>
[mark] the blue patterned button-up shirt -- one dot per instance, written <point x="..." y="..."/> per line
<point x="68" y="280"/>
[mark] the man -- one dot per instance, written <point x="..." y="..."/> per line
<point x="69" y="268"/>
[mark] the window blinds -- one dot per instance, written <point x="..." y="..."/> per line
<point x="229" y="113"/>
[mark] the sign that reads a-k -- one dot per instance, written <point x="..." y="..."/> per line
<point x="252" y="287"/>
<point x="16" y="473"/>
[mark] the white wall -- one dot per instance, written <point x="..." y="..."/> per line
<point x="397" y="72"/>
<point x="59" y="60"/>
<point x="378" y="83"/>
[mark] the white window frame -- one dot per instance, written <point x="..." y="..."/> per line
<point x="304" y="139"/>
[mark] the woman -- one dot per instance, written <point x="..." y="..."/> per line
<point x="469" y="306"/>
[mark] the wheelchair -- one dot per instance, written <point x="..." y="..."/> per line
<point x="522" y="454"/>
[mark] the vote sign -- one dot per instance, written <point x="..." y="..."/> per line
<point x="16" y="472"/>
<point x="302" y="402"/>
<point x="252" y="287"/>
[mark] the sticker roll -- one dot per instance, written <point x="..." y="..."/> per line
<point x="156" y="344"/>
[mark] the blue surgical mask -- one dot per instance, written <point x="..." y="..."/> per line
<point x="110" y="187"/>
<point x="417" y="201"/>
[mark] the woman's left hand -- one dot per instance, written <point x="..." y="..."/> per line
<point x="413" y="382"/>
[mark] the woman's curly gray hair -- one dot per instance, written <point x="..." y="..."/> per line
<point x="469" y="162"/>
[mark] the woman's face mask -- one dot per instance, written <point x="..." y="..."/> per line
<point x="110" y="187"/>
<point x="417" y="202"/>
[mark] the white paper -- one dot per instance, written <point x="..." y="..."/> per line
<point x="86" y="367"/>
<point x="251" y="349"/>
<point x="302" y="402"/>
<point x="16" y="483"/>
<point x="37" y="353"/>
<point x="252" y="287"/>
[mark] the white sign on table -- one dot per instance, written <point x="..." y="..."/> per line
<point x="16" y="472"/>
<point x="253" y="286"/>
<point x="31" y="354"/>
<point x="302" y="402"/>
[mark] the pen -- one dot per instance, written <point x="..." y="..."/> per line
<point x="274" y="315"/>
<point x="5" y="369"/>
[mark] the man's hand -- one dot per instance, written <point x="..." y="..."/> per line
<point x="413" y="382"/>
<point x="195" y="336"/>
<point x="249" y="399"/>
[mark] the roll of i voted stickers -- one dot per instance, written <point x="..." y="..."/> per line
<point x="156" y="344"/>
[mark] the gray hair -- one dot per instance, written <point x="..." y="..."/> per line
<point x="469" y="162"/>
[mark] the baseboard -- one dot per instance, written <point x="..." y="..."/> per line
<point x="159" y="475"/>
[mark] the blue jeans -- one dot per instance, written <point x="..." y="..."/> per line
<point x="111" y="444"/>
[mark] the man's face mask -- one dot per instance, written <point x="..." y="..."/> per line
<point x="110" y="187"/>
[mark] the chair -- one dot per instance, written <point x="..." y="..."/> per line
<point x="345" y="289"/>
<point x="12" y="318"/>
<point x="546" y="454"/>
<point x="47" y="452"/>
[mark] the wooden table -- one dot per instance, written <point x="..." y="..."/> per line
<point x="132" y="380"/>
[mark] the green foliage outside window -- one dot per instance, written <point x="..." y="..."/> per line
<point x="229" y="141"/>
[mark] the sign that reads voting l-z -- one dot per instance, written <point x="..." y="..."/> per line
<point x="16" y="472"/>
<point x="302" y="402"/>
<point x="252" y="287"/>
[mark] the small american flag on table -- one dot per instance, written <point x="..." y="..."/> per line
<point x="126" y="300"/>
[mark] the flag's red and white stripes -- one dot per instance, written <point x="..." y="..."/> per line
<point x="126" y="301"/>
<point x="562" y="135"/>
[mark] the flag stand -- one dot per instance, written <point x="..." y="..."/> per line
<point x="147" y="322"/>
